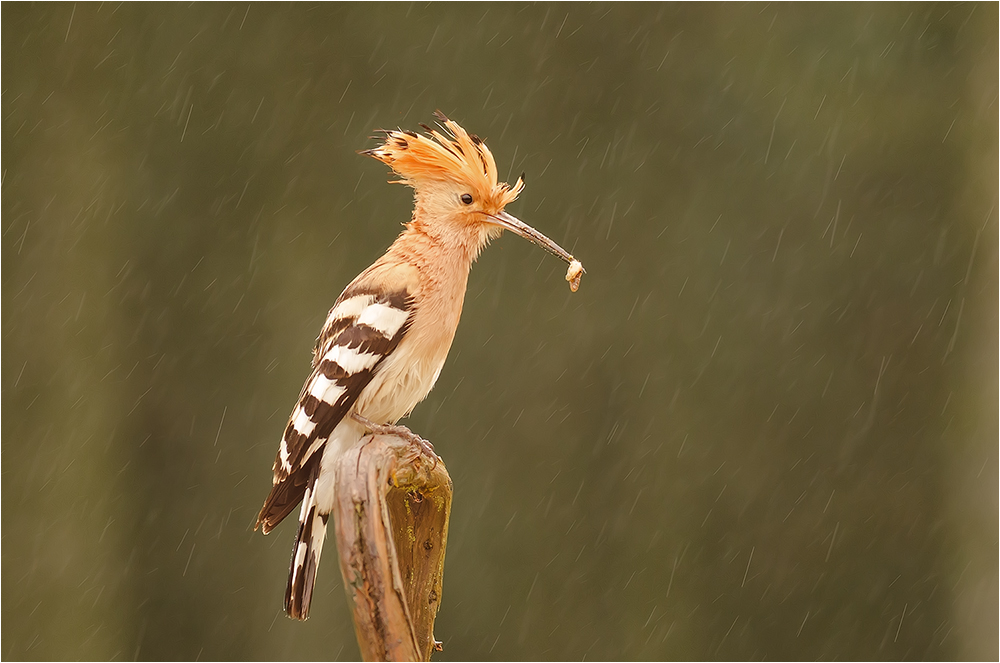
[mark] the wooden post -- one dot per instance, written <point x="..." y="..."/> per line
<point x="391" y="523"/>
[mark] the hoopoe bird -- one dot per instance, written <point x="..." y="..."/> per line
<point x="387" y="336"/>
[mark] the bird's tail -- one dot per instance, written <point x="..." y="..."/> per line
<point x="305" y="554"/>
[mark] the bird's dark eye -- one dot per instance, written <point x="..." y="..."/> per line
<point x="466" y="198"/>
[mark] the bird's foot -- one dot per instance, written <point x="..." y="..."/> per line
<point x="424" y="446"/>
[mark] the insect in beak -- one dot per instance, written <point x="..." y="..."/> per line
<point x="515" y="225"/>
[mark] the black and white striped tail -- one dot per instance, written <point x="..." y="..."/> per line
<point x="362" y="329"/>
<point x="305" y="555"/>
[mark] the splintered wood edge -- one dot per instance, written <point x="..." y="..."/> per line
<point x="391" y="514"/>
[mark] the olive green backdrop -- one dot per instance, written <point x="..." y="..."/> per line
<point x="766" y="426"/>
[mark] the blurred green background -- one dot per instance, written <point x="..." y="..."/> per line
<point x="766" y="426"/>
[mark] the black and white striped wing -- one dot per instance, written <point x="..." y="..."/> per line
<point x="361" y="330"/>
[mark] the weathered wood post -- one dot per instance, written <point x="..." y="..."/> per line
<point x="391" y="523"/>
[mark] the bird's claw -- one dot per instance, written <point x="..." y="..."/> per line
<point x="424" y="447"/>
<point x="427" y="449"/>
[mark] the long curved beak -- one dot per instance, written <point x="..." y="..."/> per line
<point x="508" y="222"/>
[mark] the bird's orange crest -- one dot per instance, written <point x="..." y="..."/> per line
<point x="456" y="157"/>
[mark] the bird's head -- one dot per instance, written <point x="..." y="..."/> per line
<point x="454" y="177"/>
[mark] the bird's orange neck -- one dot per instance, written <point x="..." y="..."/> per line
<point x="444" y="243"/>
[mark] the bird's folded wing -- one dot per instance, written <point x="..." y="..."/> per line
<point x="362" y="329"/>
